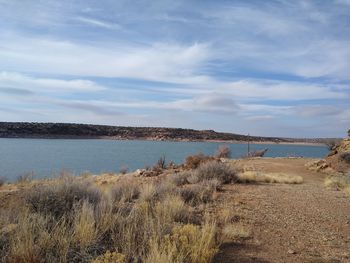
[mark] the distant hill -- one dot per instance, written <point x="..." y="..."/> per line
<point x="70" y="130"/>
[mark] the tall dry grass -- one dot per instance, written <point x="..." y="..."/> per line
<point x="256" y="177"/>
<point x="71" y="220"/>
<point x="339" y="182"/>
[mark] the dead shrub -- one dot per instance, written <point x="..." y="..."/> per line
<point x="216" y="170"/>
<point x="58" y="198"/>
<point x="171" y="209"/>
<point x="163" y="189"/>
<point x="196" y="194"/>
<point x="223" y="151"/>
<point x="25" y="178"/>
<point x="213" y="184"/>
<point x="124" y="191"/>
<point x="193" y="178"/>
<point x="180" y="178"/>
<point x="339" y="182"/>
<point x="160" y="163"/>
<point x="193" y="161"/>
<point x="332" y="143"/>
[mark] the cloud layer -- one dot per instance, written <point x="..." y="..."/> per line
<point x="228" y="66"/>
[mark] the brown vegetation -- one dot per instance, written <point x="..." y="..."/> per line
<point x="339" y="182"/>
<point x="171" y="217"/>
<point x="223" y="151"/>
<point x="71" y="219"/>
<point x="193" y="161"/>
<point x="257" y="177"/>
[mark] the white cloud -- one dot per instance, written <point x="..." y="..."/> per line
<point x="20" y="81"/>
<point x="161" y="62"/>
<point x="282" y="90"/>
<point x="98" y="23"/>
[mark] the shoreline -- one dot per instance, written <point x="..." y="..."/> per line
<point x="72" y="137"/>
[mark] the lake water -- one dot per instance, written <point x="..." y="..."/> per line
<point x="46" y="157"/>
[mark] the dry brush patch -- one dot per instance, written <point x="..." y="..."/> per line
<point x="167" y="218"/>
<point x="257" y="177"/>
<point x="71" y="219"/>
<point x="339" y="182"/>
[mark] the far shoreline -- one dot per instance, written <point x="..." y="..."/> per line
<point x="78" y="137"/>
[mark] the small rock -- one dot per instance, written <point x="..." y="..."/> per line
<point x="291" y="251"/>
<point x="139" y="172"/>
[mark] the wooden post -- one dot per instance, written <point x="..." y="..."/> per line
<point x="248" y="146"/>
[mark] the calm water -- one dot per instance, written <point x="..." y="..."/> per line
<point x="47" y="157"/>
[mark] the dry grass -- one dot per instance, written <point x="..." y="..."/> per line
<point x="186" y="243"/>
<point x="341" y="182"/>
<point x="256" y="177"/>
<point x="196" y="194"/>
<point x="69" y="219"/>
<point x="58" y="198"/>
<point x="110" y="257"/>
<point x="124" y="191"/>
<point x="233" y="232"/>
<point x="180" y="178"/>
<point x="222" y="172"/>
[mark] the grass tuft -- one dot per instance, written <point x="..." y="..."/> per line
<point x="255" y="177"/>
<point x="341" y="182"/>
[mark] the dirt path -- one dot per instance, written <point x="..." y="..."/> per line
<point x="289" y="223"/>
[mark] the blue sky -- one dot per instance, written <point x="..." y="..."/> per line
<point x="273" y="68"/>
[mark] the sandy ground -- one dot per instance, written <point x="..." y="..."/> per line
<point x="289" y="223"/>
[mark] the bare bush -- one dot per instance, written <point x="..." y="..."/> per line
<point x="223" y="151"/>
<point x="214" y="184"/>
<point x="193" y="161"/>
<point x="338" y="182"/>
<point x="161" y="164"/>
<point x="332" y="143"/>
<point x="196" y="194"/>
<point x="124" y="191"/>
<point x="58" y="199"/>
<point x="25" y="178"/>
<point x="216" y="170"/>
<point x="180" y="178"/>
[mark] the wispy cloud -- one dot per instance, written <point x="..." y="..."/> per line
<point x="98" y="23"/>
<point x="161" y="62"/>
<point x="16" y="82"/>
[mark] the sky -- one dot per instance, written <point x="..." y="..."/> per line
<point x="270" y="68"/>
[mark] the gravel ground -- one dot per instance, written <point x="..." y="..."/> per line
<point x="289" y="223"/>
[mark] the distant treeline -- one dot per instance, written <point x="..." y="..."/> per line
<point x="70" y="130"/>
